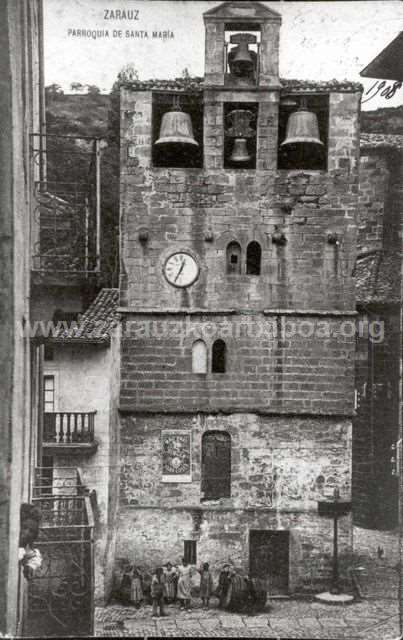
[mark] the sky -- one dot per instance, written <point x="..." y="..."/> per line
<point x="318" y="41"/>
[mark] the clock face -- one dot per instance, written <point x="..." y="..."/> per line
<point x="181" y="269"/>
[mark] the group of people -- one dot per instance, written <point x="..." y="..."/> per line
<point x="170" y="584"/>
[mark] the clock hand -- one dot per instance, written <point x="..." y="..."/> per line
<point x="180" y="270"/>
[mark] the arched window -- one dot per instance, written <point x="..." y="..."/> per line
<point x="218" y="357"/>
<point x="199" y="357"/>
<point x="253" y="258"/>
<point x="234" y="257"/>
<point x="216" y="465"/>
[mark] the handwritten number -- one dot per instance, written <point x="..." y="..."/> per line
<point x="388" y="92"/>
<point x="370" y="89"/>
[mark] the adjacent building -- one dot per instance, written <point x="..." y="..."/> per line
<point x="21" y="111"/>
<point x="379" y="339"/>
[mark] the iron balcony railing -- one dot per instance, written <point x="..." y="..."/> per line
<point x="67" y="204"/>
<point x="61" y="593"/>
<point x="58" y="481"/>
<point x="68" y="427"/>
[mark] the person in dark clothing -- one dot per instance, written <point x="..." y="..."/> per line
<point x="206" y="584"/>
<point x="158" y="591"/>
<point x="224" y="582"/>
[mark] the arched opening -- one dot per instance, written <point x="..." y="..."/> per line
<point x="199" y="357"/>
<point x="234" y="253"/>
<point x="218" y="359"/>
<point x="216" y="465"/>
<point x="253" y="258"/>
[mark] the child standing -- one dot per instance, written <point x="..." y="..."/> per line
<point x="185" y="572"/>
<point x="206" y="584"/>
<point x="171" y="578"/>
<point x="158" y="591"/>
<point x="136" y="587"/>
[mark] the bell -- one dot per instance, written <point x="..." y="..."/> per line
<point x="240" y="151"/>
<point x="176" y="127"/>
<point x="302" y="127"/>
<point x="241" y="62"/>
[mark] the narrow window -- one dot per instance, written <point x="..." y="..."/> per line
<point x="216" y="465"/>
<point x="199" y="357"/>
<point x="190" y="551"/>
<point x="253" y="259"/>
<point x="234" y="257"/>
<point x="48" y="354"/>
<point x="218" y="357"/>
<point x="49" y="418"/>
<point x="49" y="394"/>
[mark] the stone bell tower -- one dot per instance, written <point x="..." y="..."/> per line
<point x="237" y="237"/>
<point x="224" y="24"/>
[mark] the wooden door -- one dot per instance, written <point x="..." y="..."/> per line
<point x="269" y="559"/>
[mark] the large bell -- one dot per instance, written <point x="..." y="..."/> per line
<point x="240" y="151"/>
<point x="241" y="60"/>
<point x="176" y="127"/>
<point x="302" y="127"/>
<point x="242" y="63"/>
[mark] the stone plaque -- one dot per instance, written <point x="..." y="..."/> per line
<point x="176" y="456"/>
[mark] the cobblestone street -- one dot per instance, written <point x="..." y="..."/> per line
<point x="375" y="617"/>
<point x="303" y="618"/>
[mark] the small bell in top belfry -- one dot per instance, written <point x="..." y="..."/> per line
<point x="176" y="127"/>
<point x="302" y="127"/>
<point x="242" y="60"/>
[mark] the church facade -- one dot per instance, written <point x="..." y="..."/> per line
<point x="238" y="233"/>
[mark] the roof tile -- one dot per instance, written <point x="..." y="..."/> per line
<point x="96" y="323"/>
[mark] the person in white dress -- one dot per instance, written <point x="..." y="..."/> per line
<point x="185" y="572"/>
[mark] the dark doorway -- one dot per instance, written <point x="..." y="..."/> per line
<point x="269" y="553"/>
<point x="216" y="465"/>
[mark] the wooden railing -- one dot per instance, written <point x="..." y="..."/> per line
<point x="68" y="427"/>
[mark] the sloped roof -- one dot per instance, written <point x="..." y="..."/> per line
<point x="241" y="10"/>
<point x="196" y="83"/>
<point x="377" y="278"/>
<point x="96" y="324"/>
<point x="381" y="140"/>
<point x="296" y="84"/>
<point x="388" y="65"/>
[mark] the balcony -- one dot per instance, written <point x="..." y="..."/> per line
<point x="67" y="209"/>
<point x="69" y="432"/>
<point x="60" y="599"/>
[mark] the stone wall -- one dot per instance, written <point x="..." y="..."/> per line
<point x="152" y="537"/>
<point x="280" y="468"/>
<point x="380" y="198"/>
<point x="179" y="206"/>
<point x="287" y="372"/>
<point x="281" y="464"/>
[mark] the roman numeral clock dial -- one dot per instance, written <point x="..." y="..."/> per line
<point x="181" y="269"/>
